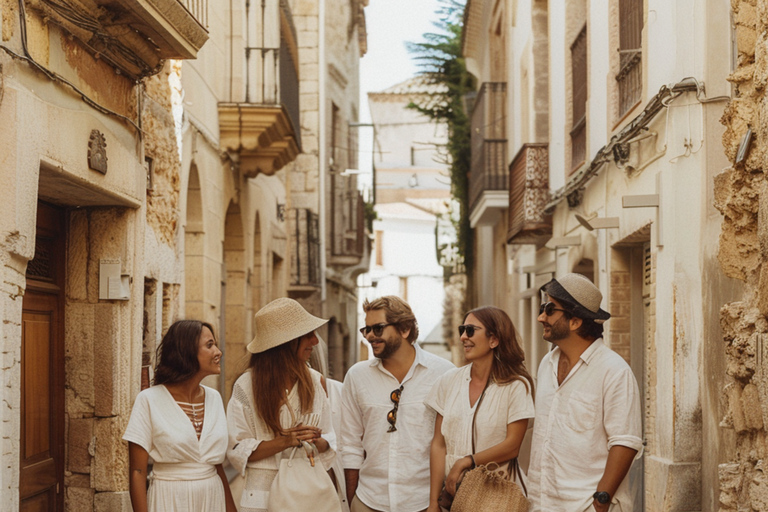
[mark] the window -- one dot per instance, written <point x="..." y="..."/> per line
<point x="579" y="99"/>
<point x="630" y="76"/>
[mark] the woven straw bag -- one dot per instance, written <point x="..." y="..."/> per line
<point x="490" y="490"/>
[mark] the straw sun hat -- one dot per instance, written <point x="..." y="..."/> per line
<point x="580" y="291"/>
<point x="281" y="321"/>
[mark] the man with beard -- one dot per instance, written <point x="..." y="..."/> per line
<point x="387" y="429"/>
<point x="587" y="430"/>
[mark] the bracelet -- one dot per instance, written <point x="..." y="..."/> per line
<point x="472" y="458"/>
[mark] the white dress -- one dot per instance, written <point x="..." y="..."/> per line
<point x="502" y="405"/>
<point x="184" y="474"/>
<point x="247" y="430"/>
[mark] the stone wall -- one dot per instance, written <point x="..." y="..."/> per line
<point x="741" y="195"/>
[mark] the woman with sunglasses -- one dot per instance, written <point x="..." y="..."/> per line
<point x="181" y="425"/>
<point x="279" y="402"/>
<point x="485" y="404"/>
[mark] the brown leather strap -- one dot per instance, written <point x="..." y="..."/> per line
<point x="474" y="416"/>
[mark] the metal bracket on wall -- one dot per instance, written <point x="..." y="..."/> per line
<point x="649" y="201"/>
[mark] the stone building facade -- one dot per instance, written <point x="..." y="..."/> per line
<point x="740" y="196"/>
<point x="142" y="188"/>
<point x="325" y="207"/>
<point x="607" y="160"/>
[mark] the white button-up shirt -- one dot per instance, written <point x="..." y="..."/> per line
<point x="596" y="407"/>
<point x="394" y="466"/>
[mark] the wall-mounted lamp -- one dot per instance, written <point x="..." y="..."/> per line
<point x="350" y="172"/>
<point x="598" y="222"/>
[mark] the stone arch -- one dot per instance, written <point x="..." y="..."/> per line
<point x="194" y="247"/>
<point x="234" y="290"/>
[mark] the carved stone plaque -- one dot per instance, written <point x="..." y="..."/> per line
<point x="97" y="152"/>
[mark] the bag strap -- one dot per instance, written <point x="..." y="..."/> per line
<point x="519" y="474"/>
<point x="474" y="416"/>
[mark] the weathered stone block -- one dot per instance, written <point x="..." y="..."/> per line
<point x="78" y="359"/>
<point x="77" y="256"/>
<point x="79" y="448"/>
<point x="750" y="400"/>
<point x="110" y="464"/>
<point x="78" y="499"/>
<point x="735" y="407"/>
<point x="745" y="40"/>
<point x="758" y="488"/>
<point x="112" y="502"/>
<point x="747" y="15"/>
<point x="106" y="328"/>
<point x="731" y="479"/>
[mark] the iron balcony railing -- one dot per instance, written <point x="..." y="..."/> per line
<point x="528" y="196"/>
<point x="488" y="170"/>
<point x="305" y="256"/>
<point x="272" y="68"/>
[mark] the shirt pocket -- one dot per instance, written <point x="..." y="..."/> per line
<point x="581" y="413"/>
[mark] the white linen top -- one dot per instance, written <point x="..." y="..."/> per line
<point x="501" y="405"/>
<point x="163" y="429"/>
<point x="394" y="473"/>
<point x="596" y="407"/>
<point x="247" y="430"/>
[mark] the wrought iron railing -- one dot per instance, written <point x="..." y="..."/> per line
<point x="272" y="70"/>
<point x="305" y="256"/>
<point x="348" y="225"/>
<point x="528" y="196"/>
<point x="489" y="143"/>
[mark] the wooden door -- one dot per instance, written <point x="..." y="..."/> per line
<point x="41" y="485"/>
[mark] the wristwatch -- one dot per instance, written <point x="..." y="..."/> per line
<point x="602" y="497"/>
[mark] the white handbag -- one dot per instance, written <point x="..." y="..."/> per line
<point x="303" y="484"/>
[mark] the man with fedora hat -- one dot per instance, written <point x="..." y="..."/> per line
<point x="587" y="430"/>
<point x="387" y="429"/>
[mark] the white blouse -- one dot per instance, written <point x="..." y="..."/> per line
<point x="502" y="404"/>
<point x="247" y="430"/>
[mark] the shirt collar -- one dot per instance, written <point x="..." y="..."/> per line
<point x="585" y="356"/>
<point x="420" y="358"/>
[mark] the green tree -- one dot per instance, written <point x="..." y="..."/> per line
<point x="442" y="66"/>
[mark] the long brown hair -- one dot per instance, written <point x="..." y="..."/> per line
<point x="508" y="357"/>
<point x="272" y="374"/>
<point x="177" y="354"/>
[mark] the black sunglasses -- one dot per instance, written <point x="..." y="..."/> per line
<point x="469" y="328"/>
<point x="550" y="307"/>
<point x="377" y="329"/>
<point x="392" y="415"/>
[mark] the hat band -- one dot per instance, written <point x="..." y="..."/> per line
<point x="556" y="290"/>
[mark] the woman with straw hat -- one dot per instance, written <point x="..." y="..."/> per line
<point x="279" y="402"/>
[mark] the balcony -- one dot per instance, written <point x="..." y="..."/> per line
<point x="135" y="36"/>
<point x="528" y="196"/>
<point x="488" y="177"/>
<point x="348" y="222"/>
<point x="264" y="129"/>
<point x="305" y="251"/>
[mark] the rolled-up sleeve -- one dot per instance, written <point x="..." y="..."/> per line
<point x="622" y="414"/>
<point x="352" y="426"/>
<point x="326" y="425"/>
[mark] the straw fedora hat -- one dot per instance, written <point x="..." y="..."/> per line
<point x="581" y="292"/>
<point x="281" y="321"/>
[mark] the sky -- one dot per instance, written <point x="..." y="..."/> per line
<point x="390" y="23"/>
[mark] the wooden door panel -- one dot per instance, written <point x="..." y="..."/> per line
<point x="36" y="333"/>
<point x="39" y="444"/>
<point x="44" y="502"/>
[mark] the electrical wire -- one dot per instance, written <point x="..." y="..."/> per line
<point x="27" y="57"/>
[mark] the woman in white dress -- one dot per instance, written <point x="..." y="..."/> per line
<point x="496" y="386"/>
<point x="182" y="426"/>
<point x="278" y="402"/>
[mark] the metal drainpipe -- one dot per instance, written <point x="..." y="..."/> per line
<point x="323" y="153"/>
